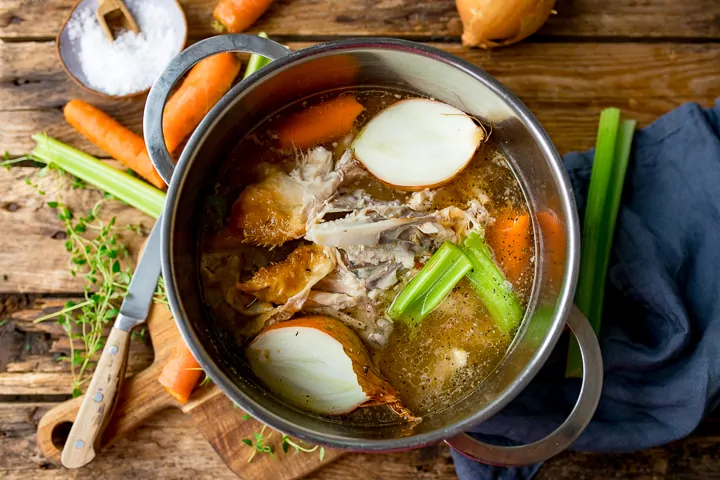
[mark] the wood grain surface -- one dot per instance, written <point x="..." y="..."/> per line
<point x="564" y="84"/>
<point x="424" y="19"/>
<point x="645" y="56"/>
<point x="169" y="447"/>
<point x="142" y="398"/>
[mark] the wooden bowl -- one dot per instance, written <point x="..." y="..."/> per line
<point x="69" y="55"/>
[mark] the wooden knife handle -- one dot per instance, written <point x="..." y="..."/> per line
<point x="99" y="401"/>
<point x="141" y="398"/>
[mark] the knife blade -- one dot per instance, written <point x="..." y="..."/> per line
<point x="136" y="305"/>
<point x="102" y="392"/>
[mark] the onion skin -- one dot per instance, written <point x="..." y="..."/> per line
<point x="496" y="23"/>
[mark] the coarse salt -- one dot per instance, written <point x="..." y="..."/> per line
<point x="133" y="61"/>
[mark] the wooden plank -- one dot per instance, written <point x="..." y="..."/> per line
<point x="565" y="84"/>
<point x="34" y="79"/>
<point x="33" y="364"/>
<point x="170" y="447"/>
<point x="405" y="18"/>
<point x="35" y="383"/>
<point x="31" y="230"/>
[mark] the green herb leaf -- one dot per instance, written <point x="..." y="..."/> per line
<point x="247" y="442"/>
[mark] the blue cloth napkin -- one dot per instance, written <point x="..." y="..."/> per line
<point x="660" y="334"/>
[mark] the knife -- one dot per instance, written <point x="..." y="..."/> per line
<point x="102" y="392"/>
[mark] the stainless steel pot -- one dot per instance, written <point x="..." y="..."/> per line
<point x="416" y="68"/>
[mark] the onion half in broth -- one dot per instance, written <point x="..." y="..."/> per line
<point x="418" y="143"/>
<point x="319" y="364"/>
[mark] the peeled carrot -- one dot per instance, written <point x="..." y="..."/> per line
<point x="180" y="374"/>
<point x="319" y="123"/>
<point x="238" y="15"/>
<point x="206" y="83"/>
<point x="510" y="238"/>
<point x="553" y="235"/>
<point x="117" y="141"/>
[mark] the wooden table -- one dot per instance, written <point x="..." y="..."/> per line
<point x="645" y="57"/>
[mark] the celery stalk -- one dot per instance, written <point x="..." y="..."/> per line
<point x="612" y="153"/>
<point x="127" y="188"/>
<point x="491" y="286"/>
<point x="614" y="194"/>
<point x="431" y="285"/>
<point x="256" y="61"/>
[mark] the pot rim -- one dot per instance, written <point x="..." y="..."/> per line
<point x="564" y="299"/>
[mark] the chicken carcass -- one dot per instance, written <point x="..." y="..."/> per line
<point x="277" y="283"/>
<point x="340" y="289"/>
<point x="286" y="285"/>
<point x="275" y="210"/>
<point x="373" y="236"/>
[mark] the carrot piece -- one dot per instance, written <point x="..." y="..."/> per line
<point x="180" y="374"/>
<point x="319" y="123"/>
<point x="117" y="141"/>
<point x="238" y="15"/>
<point x="553" y="235"/>
<point x="510" y="239"/>
<point x="203" y="87"/>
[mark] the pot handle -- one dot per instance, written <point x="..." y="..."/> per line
<point x="152" y="118"/>
<point x="560" y="439"/>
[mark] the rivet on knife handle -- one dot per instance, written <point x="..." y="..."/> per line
<point x="98" y="403"/>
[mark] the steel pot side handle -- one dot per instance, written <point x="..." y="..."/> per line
<point x="160" y="91"/>
<point x="565" y="434"/>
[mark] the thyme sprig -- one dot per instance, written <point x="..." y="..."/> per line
<point x="96" y="253"/>
<point x="260" y="444"/>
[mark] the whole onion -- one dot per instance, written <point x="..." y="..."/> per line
<point x="495" y="23"/>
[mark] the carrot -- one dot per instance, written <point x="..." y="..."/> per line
<point x="553" y="235"/>
<point x="238" y="15"/>
<point x="510" y="238"/>
<point x="117" y="141"/>
<point x="206" y="83"/>
<point x="319" y="123"/>
<point x="180" y="374"/>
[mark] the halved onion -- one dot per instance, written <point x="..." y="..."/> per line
<point x="320" y="365"/>
<point x="418" y="143"/>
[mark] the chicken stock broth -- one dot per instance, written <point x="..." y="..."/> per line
<point x="432" y="364"/>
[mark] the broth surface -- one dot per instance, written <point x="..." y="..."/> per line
<point x="432" y="365"/>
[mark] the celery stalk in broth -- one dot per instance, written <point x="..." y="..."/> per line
<point x="431" y="285"/>
<point x="491" y="286"/>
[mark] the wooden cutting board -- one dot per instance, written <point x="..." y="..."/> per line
<point x="220" y="422"/>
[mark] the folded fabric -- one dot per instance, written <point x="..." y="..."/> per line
<point x="660" y="335"/>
